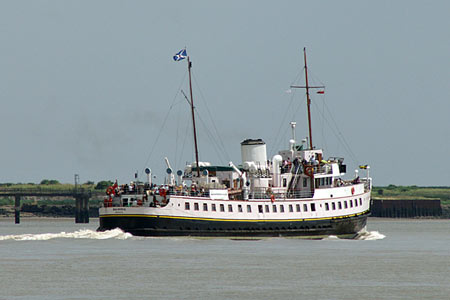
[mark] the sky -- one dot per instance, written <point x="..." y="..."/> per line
<point x="90" y="87"/>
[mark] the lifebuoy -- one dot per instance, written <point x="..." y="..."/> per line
<point x="272" y="198"/>
<point x="353" y="190"/>
<point x="139" y="202"/>
<point x="309" y="171"/>
<point x="109" y="190"/>
<point x="162" y="193"/>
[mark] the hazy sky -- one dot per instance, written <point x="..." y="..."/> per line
<point x="85" y="86"/>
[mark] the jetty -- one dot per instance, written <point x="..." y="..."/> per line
<point x="80" y="195"/>
<point x="406" y="208"/>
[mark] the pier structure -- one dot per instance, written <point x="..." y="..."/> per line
<point x="388" y="208"/>
<point x="80" y="195"/>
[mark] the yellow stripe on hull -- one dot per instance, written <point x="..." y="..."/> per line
<point x="234" y="220"/>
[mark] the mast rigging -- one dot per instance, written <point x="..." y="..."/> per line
<point x="308" y="99"/>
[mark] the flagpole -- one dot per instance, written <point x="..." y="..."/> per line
<point x="193" y="117"/>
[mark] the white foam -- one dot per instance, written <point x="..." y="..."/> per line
<point x="362" y="235"/>
<point x="79" y="234"/>
<point x="331" y="237"/>
<point x="369" y="236"/>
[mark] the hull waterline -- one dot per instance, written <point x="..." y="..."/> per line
<point x="162" y="226"/>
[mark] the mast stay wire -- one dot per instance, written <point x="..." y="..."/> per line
<point x="208" y="133"/>
<point x="164" y="123"/>
<point x="179" y="154"/>
<point x="219" y="144"/>
<point x="324" y="139"/>
<point x="211" y="137"/>
<point x="316" y="81"/>
<point x="177" y="131"/>
<point x="277" y="137"/>
<point x="346" y="144"/>
<point x="338" y="134"/>
<point x="186" y="134"/>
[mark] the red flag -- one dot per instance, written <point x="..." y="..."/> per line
<point x="320" y="92"/>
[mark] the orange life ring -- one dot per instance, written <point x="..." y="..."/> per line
<point x="309" y="171"/>
<point x="162" y="193"/>
<point x="139" y="202"/>
<point x="272" y="198"/>
<point x="109" y="190"/>
<point x="353" y="190"/>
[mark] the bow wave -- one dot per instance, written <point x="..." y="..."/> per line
<point x="79" y="234"/>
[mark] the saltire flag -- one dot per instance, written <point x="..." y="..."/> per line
<point x="320" y="92"/>
<point x="180" y="55"/>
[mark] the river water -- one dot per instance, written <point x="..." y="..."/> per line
<point x="57" y="259"/>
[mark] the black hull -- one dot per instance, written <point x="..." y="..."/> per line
<point x="164" y="226"/>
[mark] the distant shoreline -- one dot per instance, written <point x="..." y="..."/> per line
<point x="63" y="207"/>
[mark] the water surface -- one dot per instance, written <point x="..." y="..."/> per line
<point x="57" y="259"/>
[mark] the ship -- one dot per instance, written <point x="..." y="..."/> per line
<point x="297" y="193"/>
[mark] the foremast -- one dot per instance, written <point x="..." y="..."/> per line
<point x="193" y="116"/>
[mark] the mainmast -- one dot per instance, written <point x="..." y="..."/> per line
<point x="193" y="116"/>
<point x="308" y="99"/>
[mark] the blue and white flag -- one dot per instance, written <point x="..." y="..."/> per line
<point x="180" y="55"/>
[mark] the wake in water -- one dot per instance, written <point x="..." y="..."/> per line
<point x="369" y="236"/>
<point x="79" y="234"/>
<point x="362" y="235"/>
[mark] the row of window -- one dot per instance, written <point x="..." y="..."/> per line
<point x="350" y="203"/>
<point x="324" y="181"/>
<point x="275" y="208"/>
